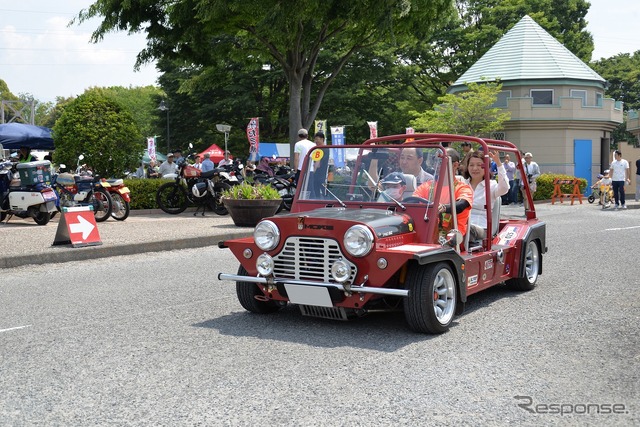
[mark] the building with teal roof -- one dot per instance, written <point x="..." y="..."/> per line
<point x="558" y="108"/>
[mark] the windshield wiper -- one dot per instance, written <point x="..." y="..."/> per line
<point x="397" y="202"/>
<point x="326" y="187"/>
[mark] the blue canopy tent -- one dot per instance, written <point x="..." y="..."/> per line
<point x="271" y="149"/>
<point x="15" y="135"/>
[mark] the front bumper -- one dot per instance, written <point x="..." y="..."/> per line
<point x="344" y="288"/>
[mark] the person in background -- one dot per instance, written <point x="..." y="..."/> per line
<point x="169" y="166"/>
<point x="207" y="164"/>
<point x="466" y="152"/>
<point x="638" y="180"/>
<point x="619" y="173"/>
<point x="225" y="160"/>
<point x="263" y="166"/>
<point x="300" y="151"/>
<point x="140" y="172"/>
<point x="532" y="170"/>
<point x="510" y="167"/>
<point x="24" y="155"/>
<point x="177" y="154"/>
<point x="152" y="170"/>
<point x="198" y="163"/>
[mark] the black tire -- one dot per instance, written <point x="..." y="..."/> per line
<point x="431" y="304"/>
<point x="102" y="205"/>
<point x="121" y="208"/>
<point x="531" y="269"/>
<point x="42" y="218"/>
<point x="172" y="198"/>
<point x="591" y="199"/>
<point x="217" y="206"/>
<point x="246" y="295"/>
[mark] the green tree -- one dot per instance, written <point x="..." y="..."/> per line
<point x="622" y="73"/>
<point x="292" y="33"/>
<point x="467" y="113"/>
<point x="101" y="129"/>
<point x="442" y="58"/>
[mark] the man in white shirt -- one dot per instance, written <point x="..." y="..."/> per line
<point x="168" y="167"/>
<point x="300" y="150"/>
<point x="619" y="173"/>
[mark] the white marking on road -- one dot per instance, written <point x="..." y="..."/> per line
<point x="13" y="329"/>
<point x="625" y="228"/>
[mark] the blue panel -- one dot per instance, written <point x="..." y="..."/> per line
<point x="583" y="158"/>
<point x="268" y="149"/>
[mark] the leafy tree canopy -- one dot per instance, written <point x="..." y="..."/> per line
<point x="466" y="113"/>
<point x="101" y="129"/>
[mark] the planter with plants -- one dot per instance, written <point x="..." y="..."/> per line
<point x="248" y="204"/>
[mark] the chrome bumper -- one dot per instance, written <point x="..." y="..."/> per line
<point x="347" y="288"/>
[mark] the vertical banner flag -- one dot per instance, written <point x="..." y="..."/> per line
<point x="337" y="138"/>
<point x="373" y="129"/>
<point x="321" y="126"/>
<point x="410" y="131"/>
<point x="151" y="147"/>
<point x="253" y="135"/>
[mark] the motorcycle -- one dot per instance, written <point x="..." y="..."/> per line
<point x="120" y="197"/>
<point x="191" y="185"/>
<point x="26" y="199"/>
<point x="83" y="190"/>
<point x="283" y="182"/>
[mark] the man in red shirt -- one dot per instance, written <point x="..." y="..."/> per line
<point x="462" y="192"/>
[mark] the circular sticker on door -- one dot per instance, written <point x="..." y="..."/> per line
<point x="317" y="155"/>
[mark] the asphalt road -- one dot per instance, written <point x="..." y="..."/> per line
<point x="155" y="339"/>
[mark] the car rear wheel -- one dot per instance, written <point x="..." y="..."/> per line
<point x="247" y="293"/>
<point x="431" y="303"/>
<point x="531" y="269"/>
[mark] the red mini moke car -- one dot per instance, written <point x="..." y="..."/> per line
<point x="345" y="248"/>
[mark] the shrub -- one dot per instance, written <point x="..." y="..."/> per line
<point x="143" y="192"/>
<point x="545" y="185"/>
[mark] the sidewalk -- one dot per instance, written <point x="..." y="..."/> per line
<point x="24" y="242"/>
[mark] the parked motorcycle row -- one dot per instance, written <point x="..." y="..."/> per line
<point x="31" y="190"/>
<point x="191" y="186"/>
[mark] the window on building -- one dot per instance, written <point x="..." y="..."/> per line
<point x="501" y="101"/>
<point x="599" y="97"/>
<point x="499" y="136"/>
<point x="575" y="93"/>
<point x="542" y="96"/>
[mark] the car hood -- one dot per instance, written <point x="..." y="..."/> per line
<point x="384" y="223"/>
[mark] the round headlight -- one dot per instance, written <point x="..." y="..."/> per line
<point x="264" y="265"/>
<point x="358" y="240"/>
<point x="266" y="235"/>
<point x="340" y="271"/>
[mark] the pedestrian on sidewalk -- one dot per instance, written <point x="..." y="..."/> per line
<point x="619" y="173"/>
<point x="638" y="179"/>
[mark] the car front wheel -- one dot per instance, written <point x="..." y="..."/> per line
<point x="531" y="269"/>
<point x="431" y="303"/>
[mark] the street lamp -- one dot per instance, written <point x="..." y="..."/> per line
<point x="163" y="107"/>
<point x="226" y="129"/>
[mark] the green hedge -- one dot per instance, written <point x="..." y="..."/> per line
<point x="545" y="185"/>
<point x="143" y="192"/>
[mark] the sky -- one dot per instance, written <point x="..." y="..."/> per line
<point x="42" y="56"/>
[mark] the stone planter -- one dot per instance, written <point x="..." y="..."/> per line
<point x="247" y="213"/>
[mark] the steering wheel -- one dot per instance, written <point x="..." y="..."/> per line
<point x="416" y="199"/>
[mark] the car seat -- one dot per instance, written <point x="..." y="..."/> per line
<point x="411" y="185"/>
<point x="495" y="226"/>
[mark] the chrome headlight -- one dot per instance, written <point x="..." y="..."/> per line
<point x="358" y="240"/>
<point x="340" y="271"/>
<point x="266" y="235"/>
<point x="264" y="265"/>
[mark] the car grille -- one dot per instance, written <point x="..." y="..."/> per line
<point x="308" y="258"/>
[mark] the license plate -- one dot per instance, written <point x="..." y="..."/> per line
<point x="124" y="190"/>
<point x="309" y="295"/>
<point x="283" y="192"/>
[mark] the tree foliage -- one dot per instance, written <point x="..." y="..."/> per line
<point x="622" y="73"/>
<point x="101" y="129"/>
<point x="292" y="33"/>
<point x="466" y="113"/>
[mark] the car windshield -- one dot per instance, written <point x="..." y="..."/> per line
<point x="374" y="174"/>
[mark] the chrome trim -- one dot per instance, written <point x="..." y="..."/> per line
<point x="352" y="288"/>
